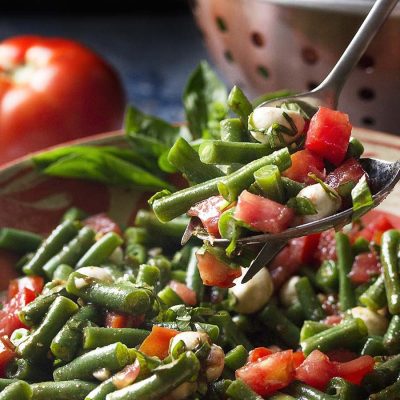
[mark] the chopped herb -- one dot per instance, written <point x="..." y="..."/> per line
<point x="362" y="198"/>
<point x="302" y="205"/>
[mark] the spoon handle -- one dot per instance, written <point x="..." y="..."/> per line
<point x="333" y="83"/>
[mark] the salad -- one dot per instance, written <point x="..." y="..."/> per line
<point x="103" y="311"/>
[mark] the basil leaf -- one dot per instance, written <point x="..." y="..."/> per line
<point x="362" y="198"/>
<point x="305" y="109"/>
<point x="302" y="205"/>
<point x="205" y="102"/>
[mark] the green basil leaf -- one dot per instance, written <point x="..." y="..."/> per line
<point x="302" y="205"/>
<point x="205" y="102"/>
<point x="362" y="198"/>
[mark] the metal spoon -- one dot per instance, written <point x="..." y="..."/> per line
<point x="383" y="175"/>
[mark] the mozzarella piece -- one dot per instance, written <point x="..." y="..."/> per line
<point x="191" y="339"/>
<point x="254" y="294"/>
<point x="215" y="363"/>
<point x="262" y="119"/>
<point x="324" y="203"/>
<point x="288" y="292"/>
<point x="377" y="324"/>
<point x="97" y="273"/>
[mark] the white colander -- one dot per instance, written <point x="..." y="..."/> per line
<point x="267" y="45"/>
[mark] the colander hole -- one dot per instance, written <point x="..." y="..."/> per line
<point x="367" y="63"/>
<point x="263" y="71"/>
<point x="309" y="55"/>
<point x="221" y="24"/>
<point x="311" y="85"/>
<point x="228" y="56"/>
<point x="366" y="94"/>
<point x="257" y="39"/>
<point x="368" y="121"/>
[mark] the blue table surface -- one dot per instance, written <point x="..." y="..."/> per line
<point x="154" y="55"/>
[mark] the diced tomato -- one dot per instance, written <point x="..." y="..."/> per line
<point x="355" y="370"/>
<point x="209" y="211"/>
<point x="157" y="343"/>
<point x="305" y="247"/>
<point x="34" y="283"/>
<point x="258" y="353"/>
<point x="268" y="374"/>
<point x="374" y="229"/>
<point x="334" y="319"/>
<point x="117" y="320"/>
<point x="7" y="353"/>
<point x="304" y="162"/>
<point x="127" y="376"/>
<point x="186" y="294"/>
<point x="328" y="135"/>
<point x="365" y="266"/>
<point x="214" y="272"/>
<point x="9" y="320"/>
<point x="350" y="171"/>
<point x="326" y="249"/>
<point x="298" y="358"/>
<point x="341" y="355"/>
<point x="263" y="214"/>
<point x="102" y="224"/>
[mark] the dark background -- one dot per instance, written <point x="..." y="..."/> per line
<point x="153" y="45"/>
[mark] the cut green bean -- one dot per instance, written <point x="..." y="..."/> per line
<point x="61" y="235"/>
<point x="300" y="390"/>
<point x="187" y="160"/>
<point x="193" y="278"/>
<point x="68" y="390"/>
<point x="391" y="339"/>
<point x="162" y="381"/>
<point x="67" y="342"/>
<point x="18" y="240"/>
<point x="4" y="382"/>
<point x="37" y="345"/>
<point x="169" y="297"/>
<point x="112" y="358"/>
<point x="74" y="214"/>
<point x="240" y="104"/>
<point x="312" y="307"/>
<point x="148" y="275"/>
<point x="22" y="369"/>
<point x="236" y="357"/>
<point x="233" y="130"/>
<point x="232" y="185"/>
<point x="269" y="180"/>
<point x="311" y="328"/>
<point x="292" y="188"/>
<point x="99" y="252"/>
<point x="373" y="347"/>
<point x="375" y="296"/>
<point x="94" y="336"/>
<point x="225" y="153"/>
<point x="344" y="390"/>
<point x="71" y="252"/>
<point x="348" y="335"/>
<point x="238" y="390"/>
<point x="344" y="263"/>
<point x="120" y="297"/>
<point x="355" y="148"/>
<point x="18" y="390"/>
<point x="391" y="266"/>
<point x="62" y="272"/>
<point x="388" y="393"/>
<point x="327" y="276"/>
<point x="136" y="235"/>
<point x="274" y="319"/>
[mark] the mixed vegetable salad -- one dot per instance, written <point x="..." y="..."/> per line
<point x="102" y="311"/>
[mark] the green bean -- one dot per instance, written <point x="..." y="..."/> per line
<point x="181" y="258"/>
<point x="169" y="297"/>
<point x="19" y="368"/>
<point x="281" y="396"/>
<point x="18" y="240"/>
<point x="292" y="188"/>
<point x="232" y="185"/>
<point x="384" y="374"/>
<point x="300" y="390"/>
<point x="233" y="130"/>
<point x="94" y="336"/>
<point x="193" y="278"/>
<point x="162" y="381"/>
<point x="388" y="393"/>
<point x="373" y="347"/>
<point x="311" y="305"/>
<point x="187" y="160"/>
<point x="327" y="276"/>
<point x="295" y="313"/>
<point x="344" y="390"/>
<point x="238" y="390"/>
<point x="62" y="272"/>
<point x="274" y="319"/>
<point x="136" y="235"/>
<point x="120" y="297"/>
<point x="226" y="153"/>
<point x="211" y="330"/>
<point x="178" y="275"/>
<point x="74" y="214"/>
<point x="67" y="342"/>
<point x="99" y="252"/>
<point x="6" y="382"/>
<point x="355" y="148"/>
<point x="168" y="207"/>
<point x="68" y="390"/>
<point x="311" y="328"/>
<point x="391" y="265"/>
<point x="71" y="252"/>
<point x="360" y="245"/>
<point x="391" y="339"/>
<point x="18" y="390"/>
<point x="236" y="358"/>
<point x="375" y="296"/>
<point x="228" y="328"/>
<point x="240" y="104"/>
<point x="50" y="247"/>
<point x="347" y="335"/>
<point x="148" y="275"/>
<point x="344" y="262"/>
<point x="37" y="345"/>
<point x="269" y="180"/>
<point x="135" y="254"/>
<point x="112" y="358"/>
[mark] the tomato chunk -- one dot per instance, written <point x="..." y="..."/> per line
<point x="186" y="294"/>
<point x="7" y="353"/>
<point x="304" y="162"/>
<point x="34" y="283"/>
<point x="373" y="230"/>
<point x="263" y="214"/>
<point x="326" y="249"/>
<point x="157" y="343"/>
<point x="365" y="266"/>
<point x="258" y="353"/>
<point x="214" y="272"/>
<point x="328" y="135"/>
<point x="102" y="224"/>
<point x="269" y="373"/>
<point x="350" y="171"/>
<point x="355" y="370"/>
<point x="117" y="320"/>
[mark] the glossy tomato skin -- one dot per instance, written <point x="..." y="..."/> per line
<point x="350" y="171"/>
<point x="328" y="135"/>
<point x="102" y="224"/>
<point x="365" y="266"/>
<point x="184" y="292"/>
<point x="7" y="353"/>
<point x="54" y="90"/>
<point x="157" y="343"/>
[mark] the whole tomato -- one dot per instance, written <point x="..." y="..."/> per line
<point x="53" y="90"/>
